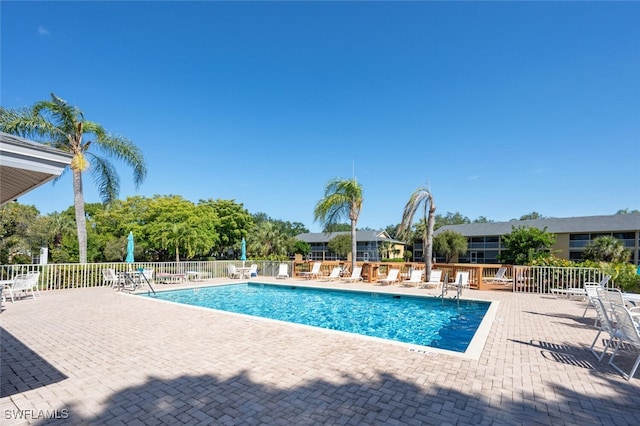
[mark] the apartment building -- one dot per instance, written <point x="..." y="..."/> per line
<point x="372" y="246"/>
<point x="572" y="235"/>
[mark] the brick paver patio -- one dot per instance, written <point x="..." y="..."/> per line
<point x="96" y="356"/>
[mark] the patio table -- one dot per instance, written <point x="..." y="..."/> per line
<point x="243" y="271"/>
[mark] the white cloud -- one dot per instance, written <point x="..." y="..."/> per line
<point x="42" y="31"/>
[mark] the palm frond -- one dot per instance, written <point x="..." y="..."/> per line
<point x="106" y="179"/>
<point x="121" y="148"/>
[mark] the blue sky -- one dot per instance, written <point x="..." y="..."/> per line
<point x="503" y="108"/>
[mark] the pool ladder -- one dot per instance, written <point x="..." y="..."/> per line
<point x="135" y="284"/>
<point x="445" y="287"/>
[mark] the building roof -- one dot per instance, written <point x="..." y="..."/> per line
<point x="25" y="165"/>
<point x="321" y="237"/>
<point x="583" y="224"/>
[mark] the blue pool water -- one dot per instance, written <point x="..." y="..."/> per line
<point x="443" y="324"/>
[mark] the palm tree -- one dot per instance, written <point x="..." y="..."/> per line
<point x="420" y="196"/>
<point x="606" y="249"/>
<point x="342" y="199"/>
<point x="63" y="126"/>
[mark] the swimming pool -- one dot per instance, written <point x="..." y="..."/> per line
<point x="425" y="321"/>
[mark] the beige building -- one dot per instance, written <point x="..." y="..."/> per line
<point x="572" y="235"/>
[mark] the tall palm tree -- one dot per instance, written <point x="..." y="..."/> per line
<point x="63" y="126"/>
<point x="421" y="196"/>
<point x="342" y="199"/>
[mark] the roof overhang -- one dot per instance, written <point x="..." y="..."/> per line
<point x="25" y="165"/>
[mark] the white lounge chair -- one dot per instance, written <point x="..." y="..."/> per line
<point x="233" y="272"/>
<point x="392" y="277"/>
<point x="24" y="283"/>
<point x="283" y="271"/>
<point x="500" y="278"/>
<point x="356" y="275"/>
<point x="628" y="334"/>
<point x="314" y="272"/>
<point x="415" y="278"/>
<point x="434" y="280"/>
<point x="334" y="275"/>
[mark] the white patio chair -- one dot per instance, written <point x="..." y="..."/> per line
<point x="147" y="273"/>
<point x="283" y="271"/>
<point x="24" y="283"/>
<point x="253" y="270"/>
<point x="629" y="335"/>
<point x="592" y="293"/>
<point x="109" y="277"/>
<point x="605" y="325"/>
<point x="233" y="272"/>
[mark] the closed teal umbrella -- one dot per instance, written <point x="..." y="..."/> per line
<point x="243" y="252"/>
<point x="129" y="258"/>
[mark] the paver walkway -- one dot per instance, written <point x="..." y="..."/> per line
<point x="95" y="356"/>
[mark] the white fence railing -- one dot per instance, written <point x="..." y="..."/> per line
<point x="534" y="279"/>
<point x="74" y="275"/>
<point x="541" y="279"/>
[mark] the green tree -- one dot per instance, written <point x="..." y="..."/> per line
<point x="422" y="196"/>
<point x="179" y="227"/>
<point x="627" y="211"/>
<point x="450" y="218"/>
<point x="64" y="127"/>
<point x="233" y="223"/>
<point x="342" y="200"/>
<point x="341" y="245"/>
<point x="267" y="241"/>
<point x="525" y="244"/>
<point x="606" y="249"/>
<point x="115" y="249"/>
<point x="532" y="215"/>
<point x="15" y="242"/>
<point x="482" y="219"/>
<point x="337" y="227"/>
<point x="301" y="247"/>
<point x="449" y="244"/>
<point x="392" y="230"/>
<point x="385" y="248"/>
<point x="290" y="229"/>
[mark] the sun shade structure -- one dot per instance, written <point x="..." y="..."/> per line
<point x="25" y="165"/>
